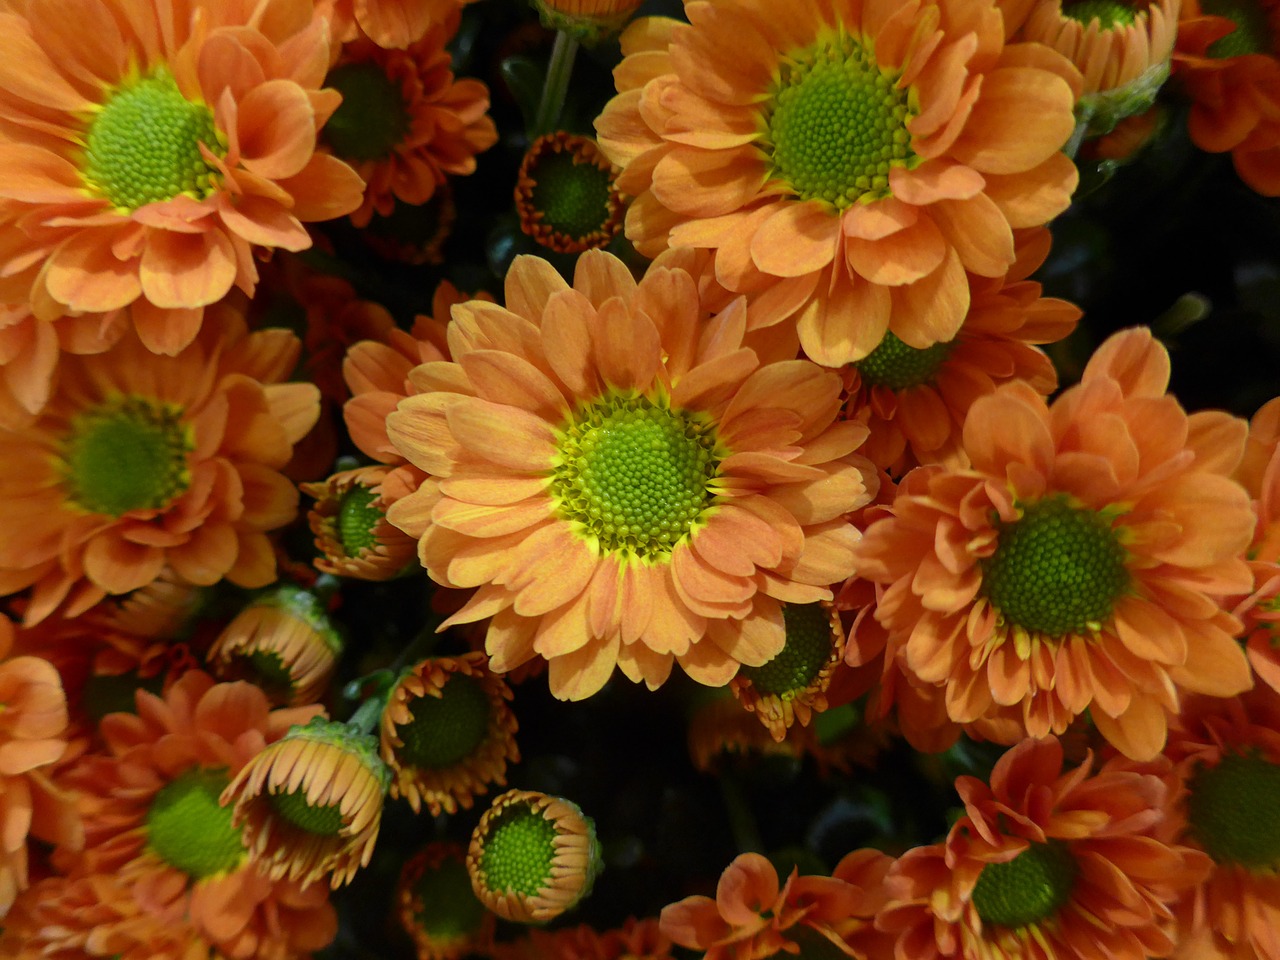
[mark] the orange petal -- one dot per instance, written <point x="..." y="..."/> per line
<point x="1023" y="117"/>
<point x="708" y="183"/>
<point x="797" y="239"/>
<point x="582" y="673"/>
<point x="186" y="269"/>
<point x="502" y="434"/>
<point x="899" y="258"/>
<point x="277" y="129"/>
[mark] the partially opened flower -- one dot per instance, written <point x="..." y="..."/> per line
<point x="1227" y="773"/>
<point x="1121" y="48"/>
<point x="152" y="819"/>
<point x="405" y="121"/>
<point x="349" y="520"/>
<point x="284" y="642"/>
<point x="753" y="915"/>
<point x="1047" y="863"/>
<point x="310" y="803"/>
<point x="437" y="907"/>
<point x="793" y="685"/>
<point x="144" y="466"/>
<point x="448" y="732"/>
<point x="1228" y="63"/>
<point x="914" y="401"/>
<point x="846" y="163"/>
<point x="567" y="197"/>
<point x="1079" y="563"/>
<point x="226" y="95"/>
<point x="533" y="856"/>
<point x="615" y="471"/>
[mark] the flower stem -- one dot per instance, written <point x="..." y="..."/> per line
<point x="365" y="719"/>
<point x="559" y="70"/>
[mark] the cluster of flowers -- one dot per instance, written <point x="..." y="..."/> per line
<point x="794" y="435"/>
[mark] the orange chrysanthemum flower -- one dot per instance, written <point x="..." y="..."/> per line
<point x="1046" y="864"/>
<point x="752" y="916"/>
<point x="447" y="733"/>
<point x="1228" y="62"/>
<point x="623" y="480"/>
<point x="388" y="23"/>
<point x="311" y="803"/>
<point x="349" y="520"/>
<point x="152" y="819"/>
<point x="437" y="907"/>
<point x="634" y="940"/>
<point x="226" y="95"/>
<point x="1227" y="759"/>
<point x="405" y="121"/>
<point x="377" y="373"/>
<point x="1079" y="563"/>
<point x="65" y="918"/>
<point x="915" y="401"/>
<point x="533" y="856"/>
<point x="141" y="462"/>
<point x="845" y="161"/>
<point x="33" y="737"/>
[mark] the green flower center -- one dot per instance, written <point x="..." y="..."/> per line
<point x="1057" y="571"/>
<point x="143" y="145"/>
<point x="445" y="730"/>
<point x="358" y="518"/>
<point x="634" y="475"/>
<point x="1027" y="889"/>
<point x="188" y="830"/>
<point x="1252" y="34"/>
<point x="324" y="821"/>
<point x="837" y="123"/>
<point x="807" y="649"/>
<point x="372" y="119"/>
<point x="897" y="366"/>
<point x="449" y="906"/>
<point x="1108" y="13"/>
<point x="573" y="194"/>
<point x="1233" y="811"/>
<point x="518" y="851"/>
<point x="128" y="453"/>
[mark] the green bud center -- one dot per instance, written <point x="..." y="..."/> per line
<point x="293" y="807"/>
<point x="188" y="830"/>
<point x="837" y="122"/>
<point x="518" y="851"/>
<point x="128" y="453"/>
<point x="143" y="145"/>
<point x="372" y="118"/>
<point x="1233" y="811"/>
<point x="1031" y="887"/>
<point x="1056" y="571"/>
<point x="447" y="729"/>
<point x="807" y="649"/>
<point x="897" y="366"/>
<point x="358" y="518"/>
<point x="634" y="474"/>
<point x="572" y="194"/>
